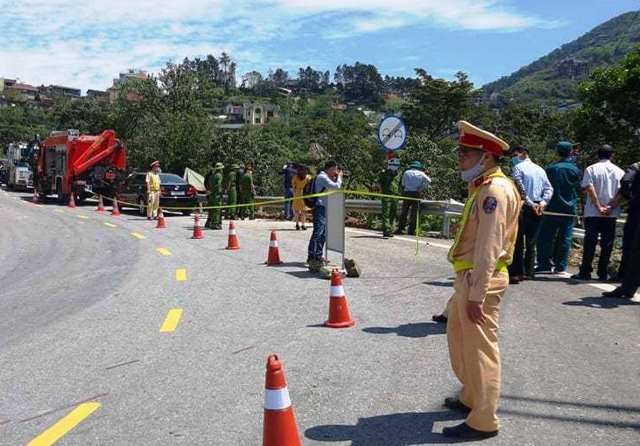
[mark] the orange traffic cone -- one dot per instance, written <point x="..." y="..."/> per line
<point x="339" y="316"/>
<point x="233" y="243"/>
<point x="197" y="230"/>
<point x="115" y="212"/>
<point x="274" y="252"/>
<point x="161" y="223"/>
<point x="100" y="207"/>
<point x="72" y="200"/>
<point x="280" y="427"/>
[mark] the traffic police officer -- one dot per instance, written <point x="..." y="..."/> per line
<point x="232" y="191"/>
<point x="214" y="220"/>
<point x="389" y="186"/>
<point x="482" y="250"/>
<point x="247" y="193"/>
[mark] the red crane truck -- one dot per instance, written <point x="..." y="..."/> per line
<point x="70" y="163"/>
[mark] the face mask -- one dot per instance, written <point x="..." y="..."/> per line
<point x="515" y="161"/>
<point x="471" y="174"/>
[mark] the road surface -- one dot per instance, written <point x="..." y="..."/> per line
<point x="84" y="297"/>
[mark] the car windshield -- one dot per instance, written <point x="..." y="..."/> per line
<point x="169" y="178"/>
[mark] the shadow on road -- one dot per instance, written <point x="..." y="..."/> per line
<point x="418" y="330"/>
<point x="527" y="399"/>
<point x="605" y="303"/>
<point x="399" y="429"/>
<point x="442" y="283"/>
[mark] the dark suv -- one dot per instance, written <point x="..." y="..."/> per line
<point x="174" y="192"/>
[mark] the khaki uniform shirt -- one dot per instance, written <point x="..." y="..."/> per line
<point x="490" y="232"/>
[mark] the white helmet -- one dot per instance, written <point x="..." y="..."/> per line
<point x="393" y="164"/>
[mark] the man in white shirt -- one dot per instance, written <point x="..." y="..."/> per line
<point x="414" y="182"/>
<point x="601" y="182"/>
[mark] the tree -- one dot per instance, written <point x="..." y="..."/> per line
<point x="251" y="80"/>
<point x="435" y="105"/>
<point x="610" y="112"/>
<point x="360" y="83"/>
<point x="279" y="77"/>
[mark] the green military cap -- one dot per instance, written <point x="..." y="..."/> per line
<point x="415" y="165"/>
<point x="219" y="166"/>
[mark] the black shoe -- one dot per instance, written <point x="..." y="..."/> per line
<point x="457" y="405"/>
<point x="465" y="432"/>
<point x="304" y="228"/>
<point x="439" y="318"/>
<point x="581" y="277"/>
<point x="514" y="280"/>
<point x="618" y="293"/>
<point x="297" y="227"/>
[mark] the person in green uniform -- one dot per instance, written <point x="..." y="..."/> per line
<point x="247" y="193"/>
<point x="389" y="186"/>
<point x="232" y="191"/>
<point x="214" y="186"/>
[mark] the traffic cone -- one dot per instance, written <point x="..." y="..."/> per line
<point x="274" y="252"/>
<point x="233" y="243"/>
<point x="161" y="223"/>
<point x="100" y="204"/>
<point x="279" y="426"/>
<point x="72" y="200"/>
<point x="339" y="316"/>
<point x="115" y="212"/>
<point x="197" y="230"/>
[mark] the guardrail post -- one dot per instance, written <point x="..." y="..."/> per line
<point x="446" y="225"/>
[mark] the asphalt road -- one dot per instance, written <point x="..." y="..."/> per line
<point x="83" y="301"/>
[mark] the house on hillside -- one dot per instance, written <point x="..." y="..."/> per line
<point x="256" y="113"/>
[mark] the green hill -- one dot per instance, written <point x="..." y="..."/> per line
<point x="553" y="79"/>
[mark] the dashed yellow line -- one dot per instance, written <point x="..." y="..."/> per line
<point x="59" y="211"/>
<point x="138" y="235"/>
<point x="65" y="424"/>
<point x="84" y="217"/>
<point x="181" y="274"/>
<point x="171" y="321"/>
<point x="164" y="251"/>
<point x="111" y="225"/>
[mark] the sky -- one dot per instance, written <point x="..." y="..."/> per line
<point x="85" y="44"/>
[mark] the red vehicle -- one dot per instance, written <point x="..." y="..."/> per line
<point x="80" y="164"/>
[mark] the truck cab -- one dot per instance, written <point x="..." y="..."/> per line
<point x="19" y="174"/>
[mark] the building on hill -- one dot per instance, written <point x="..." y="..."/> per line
<point x="6" y="83"/>
<point x="122" y="80"/>
<point x="256" y="113"/>
<point x="21" y="92"/>
<point x="59" y="90"/>
<point x="98" y="95"/>
<point x="573" y="68"/>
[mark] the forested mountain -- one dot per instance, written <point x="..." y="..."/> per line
<point x="554" y="78"/>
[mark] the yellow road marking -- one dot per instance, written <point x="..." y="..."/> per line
<point x="181" y="274"/>
<point x="164" y="251"/>
<point x="65" y="424"/>
<point x="111" y="225"/>
<point x="171" y="321"/>
<point x="84" y="217"/>
<point x="138" y="235"/>
<point x="59" y="211"/>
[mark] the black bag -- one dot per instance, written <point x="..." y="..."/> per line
<point x="310" y="189"/>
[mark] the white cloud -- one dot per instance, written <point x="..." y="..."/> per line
<point x="87" y="43"/>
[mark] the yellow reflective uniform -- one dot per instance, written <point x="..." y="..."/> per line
<point x="480" y="255"/>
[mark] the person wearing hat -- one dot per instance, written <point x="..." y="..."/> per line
<point x="482" y="250"/>
<point x="231" y="187"/>
<point x="556" y="231"/>
<point x="214" y="219"/>
<point x="601" y="183"/>
<point x="153" y="190"/>
<point x="537" y="191"/>
<point x="247" y="193"/>
<point x="414" y="182"/>
<point x="389" y="186"/>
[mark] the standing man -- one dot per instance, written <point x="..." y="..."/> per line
<point x="556" y="232"/>
<point x="533" y="182"/>
<point x="247" y="193"/>
<point x="232" y="191"/>
<point x="289" y="170"/>
<point x="329" y="178"/>
<point x="214" y="219"/>
<point x="389" y="186"/>
<point x="601" y="182"/>
<point x="153" y="190"/>
<point x="629" y="191"/>
<point x="414" y="182"/>
<point x="482" y="250"/>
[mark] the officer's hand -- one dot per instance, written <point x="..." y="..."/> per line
<point x="475" y="313"/>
